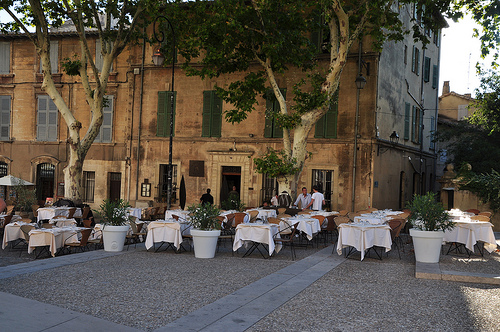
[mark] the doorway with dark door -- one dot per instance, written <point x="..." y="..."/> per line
<point x="45" y="176"/>
<point x="115" y="182"/>
<point x="231" y="177"/>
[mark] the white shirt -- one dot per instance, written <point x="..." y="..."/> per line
<point x="304" y="200"/>
<point x="317" y="199"/>
<point x="274" y="201"/>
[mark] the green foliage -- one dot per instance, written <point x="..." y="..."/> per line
<point x="471" y="144"/>
<point x="204" y="216"/>
<point x="71" y="67"/>
<point x="113" y="213"/>
<point x="486" y="186"/>
<point x="427" y="214"/>
<point x="276" y="163"/>
<point x="487" y="103"/>
<point x="233" y="203"/>
<point x="25" y="197"/>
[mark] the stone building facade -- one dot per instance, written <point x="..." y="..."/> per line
<point x="357" y="166"/>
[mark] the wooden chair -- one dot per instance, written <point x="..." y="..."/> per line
<point x="239" y="218"/>
<point x="396" y="225"/>
<point x="71" y="212"/>
<point x="372" y="209"/>
<point x="475" y="211"/>
<point x="363" y="212"/>
<point x="281" y="210"/>
<point x="287" y="237"/>
<point x="480" y="217"/>
<point x="273" y="220"/>
<point x="35" y="208"/>
<point x="10" y="209"/>
<point x="302" y="212"/>
<point x="25" y="229"/>
<point x="320" y="232"/>
<point x="137" y="233"/>
<point x="87" y="223"/>
<point x="253" y="215"/>
<point x="331" y="228"/>
<point x="341" y="220"/>
<point x="343" y="213"/>
<point x="47" y="225"/>
<point x="83" y="244"/>
<point x="351" y="215"/>
<point x="487" y="214"/>
<point x="283" y="216"/>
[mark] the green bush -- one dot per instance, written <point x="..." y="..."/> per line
<point x="113" y="213"/>
<point x="427" y="214"/>
<point x="204" y="216"/>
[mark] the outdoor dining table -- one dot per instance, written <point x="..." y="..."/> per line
<point x="12" y="232"/>
<point x="257" y="234"/>
<point x="468" y="232"/>
<point x="363" y="236"/>
<point x="167" y="231"/>
<point x="55" y="238"/>
<point x="50" y="212"/>
<point x="63" y="222"/>
<point x="307" y="225"/>
<point x="182" y="214"/>
<point x="264" y="213"/>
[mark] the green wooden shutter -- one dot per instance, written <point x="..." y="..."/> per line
<point x="420" y="125"/>
<point x="331" y="117"/>
<point x="413" y="60"/>
<point x="319" y="131"/>
<point x="427" y="69"/>
<point x="52" y="121"/>
<point x="268" y="128"/>
<point x="205" y="127"/>
<point x="41" y="123"/>
<point x="216" y="120"/>
<point x="161" y="117"/>
<point x="434" y="76"/>
<point x="107" y="121"/>
<point x="277" y="129"/>
<point x="4" y="118"/>
<point x="414" y="134"/>
<point x="407" y="121"/>
<point x="4" y="57"/>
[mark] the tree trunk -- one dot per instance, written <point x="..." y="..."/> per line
<point x="73" y="175"/>
<point x="285" y="184"/>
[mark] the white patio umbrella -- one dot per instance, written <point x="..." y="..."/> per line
<point x="10" y="180"/>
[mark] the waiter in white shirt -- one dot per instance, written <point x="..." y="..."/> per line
<point x="304" y="199"/>
<point x="317" y="200"/>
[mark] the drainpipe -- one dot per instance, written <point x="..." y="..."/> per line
<point x="356" y="118"/>
<point x="140" y="119"/>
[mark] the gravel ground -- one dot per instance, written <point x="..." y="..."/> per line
<point x="147" y="290"/>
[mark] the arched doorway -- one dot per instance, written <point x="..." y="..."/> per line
<point x="45" y="176"/>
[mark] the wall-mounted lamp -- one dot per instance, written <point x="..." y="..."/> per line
<point x="360" y="82"/>
<point x="394" y="138"/>
<point x="251" y="135"/>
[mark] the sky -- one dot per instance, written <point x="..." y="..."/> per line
<point x="459" y="54"/>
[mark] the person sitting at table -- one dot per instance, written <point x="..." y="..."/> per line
<point x="64" y="202"/>
<point x="317" y="200"/>
<point x="266" y="205"/>
<point x="207" y="198"/>
<point x="304" y="199"/>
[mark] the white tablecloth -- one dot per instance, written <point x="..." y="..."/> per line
<point x="309" y="226"/>
<point x="136" y="212"/>
<point x="469" y="232"/>
<point x="264" y="213"/>
<point x="258" y="233"/>
<point x="13" y="232"/>
<point x="63" y="222"/>
<point x="51" y="212"/>
<point x="363" y="237"/>
<point x="164" y="231"/>
<point x="182" y="214"/>
<point x="55" y="238"/>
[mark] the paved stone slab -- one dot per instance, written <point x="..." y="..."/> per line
<point x="49" y="317"/>
<point x="248" y="305"/>
<point x="433" y="271"/>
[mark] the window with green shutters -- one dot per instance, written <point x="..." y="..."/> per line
<point x="326" y="127"/>
<point x="407" y="121"/>
<point x="4" y="118"/>
<point x="105" y="134"/>
<point x="47" y="115"/>
<point x="427" y="69"/>
<point x="417" y="118"/>
<point x="212" y="114"/>
<point x="272" y="129"/>
<point x="163" y="116"/>
<point x="4" y="57"/>
<point x="435" y="75"/>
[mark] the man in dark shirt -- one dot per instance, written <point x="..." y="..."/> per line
<point x="207" y="198"/>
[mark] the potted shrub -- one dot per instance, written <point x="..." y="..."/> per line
<point x="25" y="199"/>
<point x="206" y="229"/>
<point x="429" y="220"/>
<point x="114" y="220"/>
